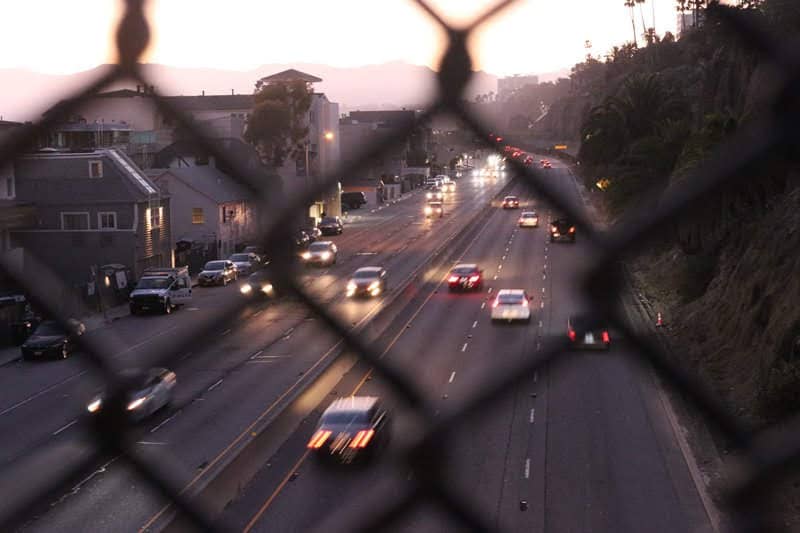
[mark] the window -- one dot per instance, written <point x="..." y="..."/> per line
<point x="153" y="217"/>
<point x="95" y="169"/>
<point x="74" y="221"/>
<point x="197" y="216"/>
<point x="106" y="220"/>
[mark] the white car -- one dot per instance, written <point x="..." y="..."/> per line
<point x="149" y="392"/>
<point x="528" y="219"/>
<point x="510" y="305"/>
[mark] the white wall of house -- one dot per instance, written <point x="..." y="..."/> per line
<point x="138" y="111"/>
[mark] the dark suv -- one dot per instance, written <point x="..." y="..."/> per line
<point x="353" y="200"/>
<point x="562" y="229"/>
<point x="331" y="226"/>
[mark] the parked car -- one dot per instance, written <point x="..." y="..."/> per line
<point x="585" y="332"/>
<point x="350" y="430"/>
<point x="161" y="289"/>
<point x="511" y="304"/>
<point x="220" y="272"/>
<point x="320" y="253"/>
<point x="353" y="200"/>
<point x="245" y="263"/>
<point x="313" y="233"/>
<point x="331" y="226"/>
<point x="258" y="251"/>
<point x="49" y="339"/>
<point x="367" y="281"/>
<point x="147" y="393"/>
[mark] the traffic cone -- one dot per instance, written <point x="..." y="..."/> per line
<point x="659" y="321"/>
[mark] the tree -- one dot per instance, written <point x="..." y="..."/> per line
<point x="278" y="127"/>
<point x="630" y="4"/>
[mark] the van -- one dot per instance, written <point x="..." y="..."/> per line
<point x="353" y="200"/>
<point x="161" y="289"/>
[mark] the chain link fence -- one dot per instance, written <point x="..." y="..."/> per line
<point x="768" y="460"/>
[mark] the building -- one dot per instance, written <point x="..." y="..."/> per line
<point x="90" y="208"/>
<point x="687" y="21"/>
<point x="509" y="85"/>
<point x="211" y="213"/>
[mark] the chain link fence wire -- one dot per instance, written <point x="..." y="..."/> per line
<point x="52" y="469"/>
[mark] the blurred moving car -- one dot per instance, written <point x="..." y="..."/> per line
<point x="351" y="429"/>
<point x="546" y="163"/>
<point x="301" y="239"/>
<point x="511" y="304"/>
<point x="465" y="276"/>
<point x="434" y="194"/>
<point x="510" y="202"/>
<point x="219" y="272"/>
<point x="562" y="229"/>
<point x="434" y="209"/>
<point x="320" y="253"/>
<point x="257" y="284"/>
<point x="585" y="332"/>
<point x="245" y="263"/>
<point x="313" y="233"/>
<point x="367" y="281"/>
<point x="528" y="219"/>
<point x="258" y="252"/>
<point x="449" y="187"/>
<point x="331" y="226"/>
<point x="49" y="339"/>
<point x="147" y="392"/>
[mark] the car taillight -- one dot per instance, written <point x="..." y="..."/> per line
<point x="452" y="279"/>
<point x="572" y="229"/>
<point x="572" y="334"/>
<point x="473" y="279"/>
<point x="318" y="439"/>
<point x="606" y="337"/>
<point x="362" y="438"/>
<point x="525" y="302"/>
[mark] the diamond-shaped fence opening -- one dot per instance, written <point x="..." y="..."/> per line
<point x="767" y="460"/>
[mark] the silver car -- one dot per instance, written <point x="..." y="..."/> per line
<point x="148" y="392"/>
<point x="320" y="253"/>
<point x="245" y="263"/>
<point x="367" y="281"/>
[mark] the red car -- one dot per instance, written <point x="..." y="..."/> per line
<point x="546" y="164"/>
<point x="510" y="202"/>
<point x="529" y="160"/>
<point x="465" y="277"/>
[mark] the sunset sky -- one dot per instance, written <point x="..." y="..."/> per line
<point x="533" y="36"/>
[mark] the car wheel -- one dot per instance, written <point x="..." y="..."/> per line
<point x="64" y="351"/>
<point x="167" y="307"/>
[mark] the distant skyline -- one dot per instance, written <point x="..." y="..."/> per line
<point x="530" y="37"/>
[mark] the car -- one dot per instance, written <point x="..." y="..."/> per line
<point x="351" y="430"/>
<point x="547" y="164"/>
<point x="510" y="305"/>
<point x="148" y="392"/>
<point x="313" y="233"/>
<point x="529" y="160"/>
<point x="449" y="187"/>
<point x="258" y="252"/>
<point x="331" y="226"/>
<point x="353" y="199"/>
<point x="301" y="239"/>
<point x="257" y="284"/>
<point x="562" y="229"/>
<point x="528" y="219"/>
<point x="367" y="281"/>
<point x="161" y="289"/>
<point x="49" y="339"/>
<point x="465" y="276"/>
<point x="320" y="253"/>
<point x="245" y="263"/>
<point x="434" y="209"/>
<point x="434" y="194"/>
<point x="220" y="272"/>
<point x="510" y="202"/>
<point x="585" y="332"/>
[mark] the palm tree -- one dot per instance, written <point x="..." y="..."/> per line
<point x="641" y="13"/>
<point x="630" y="5"/>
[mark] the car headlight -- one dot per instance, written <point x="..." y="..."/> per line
<point x="429" y="196"/>
<point x="306" y="255"/>
<point x="135" y="404"/>
<point x="373" y="285"/>
<point x="428" y="210"/>
<point x="94" y="406"/>
<point x="325" y="256"/>
<point x="246" y="288"/>
<point x="267" y="288"/>
<point x="351" y="286"/>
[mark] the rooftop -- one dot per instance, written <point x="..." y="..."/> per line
<point x="352" y="403"/>
<point x="291" y="75"/>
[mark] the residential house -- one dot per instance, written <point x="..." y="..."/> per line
<point x="92" y="208"/>
<point x="212" y="214"/>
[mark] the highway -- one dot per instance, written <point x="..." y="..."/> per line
<point x="228" y="390"/>
<point x="586" y="448"/>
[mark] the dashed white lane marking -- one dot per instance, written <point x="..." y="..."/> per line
<point x="535" y="377"/>
<point x="527" y="468"/>
<point x="288" y="333"/>
<point x="256" y="354"/>
<point x="490" y="290"/>
<point x="151" y="443"/>
<point x="533" y="415"/>
<point x="215" y="385"/>
<point x="542" y="306"/>
<point x="226" y="332"/>
<point x="483" y="305"/>
<point x="164" y="422"/>
<point x="542" y="289"/>
<point x="504" y="258"/>
<point x="540" y="324"/>
<point x="499" y="267"/>
<point x="538" y="346"/>
<point x="475" y="324"/>
<point x="261" y="361"/>
<point x="66" y="427"/>
<point x="495" y="277"/>
<point x="464" y="348"/>
<point x="544" y="276"/>
<point x="452" y="377"/>
<point x="507" y="249"/>
<point x="545" y="267"/>
<point x="257" y="313"/>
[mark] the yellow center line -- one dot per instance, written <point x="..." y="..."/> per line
<point x="275" y="493"/>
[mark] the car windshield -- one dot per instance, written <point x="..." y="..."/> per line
<point x="214" y="265"/>
<point x="463" y="271"/>
<point x="340" y="418"/>
<point x="510" y="299"/>
<point x="153" y="283"/>
<point x="435" y="204"/>
<point x="240" y="257"/>
<point x="328" y="220"/>
<point x="511" y="198"/>
<point x="319" y="247"/>
<point x="49" y="328"/>
<point x="528" y="215"/>
<point x="365" y="274"/>
<point x="582" y="322"/>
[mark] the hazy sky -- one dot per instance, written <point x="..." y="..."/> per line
<point x="533" y="36"/>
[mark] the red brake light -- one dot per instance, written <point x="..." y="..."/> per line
<point x="362" y="438"/>
<point x="606" y="337"/>
<point x="318" y="439"/>
<point x="452" y="279"/>
<point x="572" y="334"/>
<point x="572" y="229"/>
<point x="473" y="279"/>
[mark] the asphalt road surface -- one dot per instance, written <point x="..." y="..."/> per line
<point x="584" y="447"/>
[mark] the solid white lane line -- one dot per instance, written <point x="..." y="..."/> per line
<point x="483" y="305"/>
<point x="527" y="468"/>
<point x="452" y="377"/>
<point x="215" y="385"/>
<point x="540" y="323"/>
<point x="464" y="348"/>
<point x="475" y="324"/>
<point x="164" y="422"/>
<point x="40" y="393"/>
<point x="256" y="354"/>
<point x="533" y="415"/>
<point x="66" y="427"/>
<point x="490" y="290"/>
<point x="147" y="442"/>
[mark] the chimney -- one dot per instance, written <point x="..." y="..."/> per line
<point x="204" y="93"/>
<point x="231" y="92"/>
